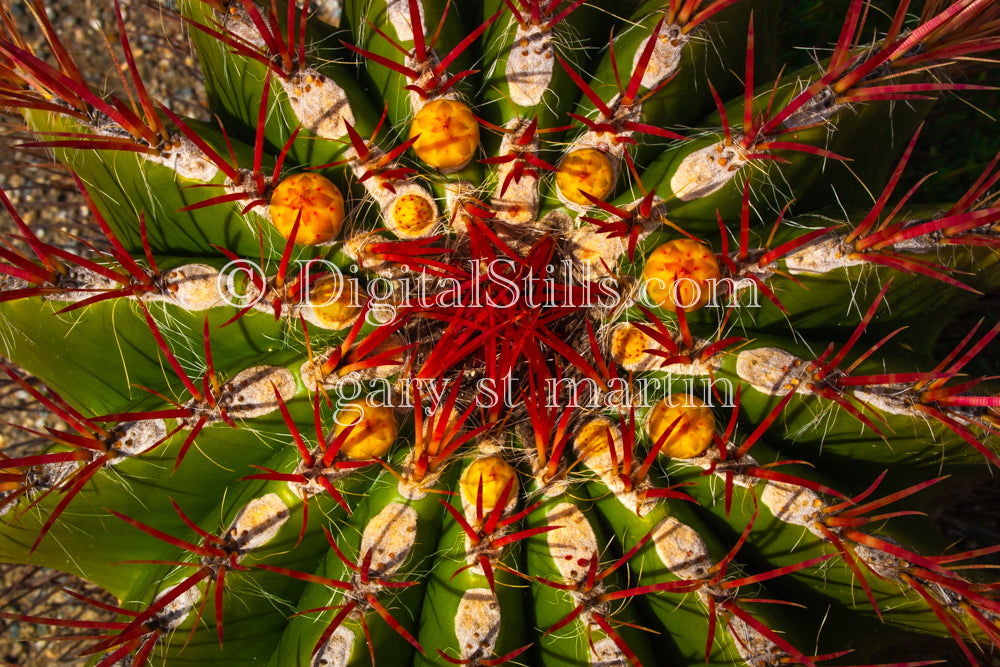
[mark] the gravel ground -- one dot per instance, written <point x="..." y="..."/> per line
<point x="169" y="70"/>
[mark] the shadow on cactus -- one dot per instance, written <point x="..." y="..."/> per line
<point x="471" y="336"/>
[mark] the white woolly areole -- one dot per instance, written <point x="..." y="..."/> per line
<point x="895" y="405"/>
<point x="398" y="12"/>
<point x="38" y="478"/>
<point x="456" y="195"/>
<point x="174" y="613"/>
<point x="133" y="438"/>
<point x="11" y="283"/>
<point x="794" y="504"/>
<point x="319" y="103"/>
<point x="379" y="188"/>
<point x="706" y="170"/>
<point x="596" y="254"/>
<point x="598" y="459"/>
<point x="773" y="371"/>
<point x="314" y="376"/>
<point x="490" y="445"/>
<point x="250" y="393"/>
<point x="573" y="543"/>
<point x="390" y="535"/>
<point x="753" y="647"/>
<point x="427" y="80"/>
<point x="75" y="285"/>
<point x="313" y="487"/>
<point x="247" y="187"/>
<point x="927" y="242"/>
<point x="515" y="237"/>
<point x="258" y="522"/>
<point x="474" y="551"/>
<point x="546" y="488"/>
<point x="518" y="204"/>
<point x="681" y="549"/>
<point x="605" y="653"/>
<point x="193" y="287"/>
<point x="885" y="565"/>
<point x="240" y="25"/>
<point x="477" y="623"/>
<point x="357" y="247"/>
<point x="666" y="56"/>
<point x="529" y="65"/>
<point x="611" y="142"/>
<point x="822" y="256"/>
<point x="696" y="368"/>
<point x="186" y="160"/>
<point x="411" y="490"/>
<point x="336" y="652"/>
<point x="643" y="361"/>
<point x="819" y="109"/>
<point x="711" y="461"/>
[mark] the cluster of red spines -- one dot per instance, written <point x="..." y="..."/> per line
<point x="358" y="595"/>
<point x="526" y="337"/>
<point x="284" y="51"/>
<point x="429" y="76"/>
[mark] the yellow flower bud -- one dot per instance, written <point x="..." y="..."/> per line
<point x="413" y="214"/>
<point x="585" y="170"/>
<point x="680" y="274"/>
<point x="447" y="134"/>
<point x="373" y="433"/>
<point x="495" y="473"/>
<point x="332" y="303"/>
<point x="318" y="201"/>
<point x="693" y="433"/>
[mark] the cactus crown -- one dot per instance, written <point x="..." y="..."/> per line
<point x="467" y="334"/>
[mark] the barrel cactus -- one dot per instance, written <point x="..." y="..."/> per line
<point x="540" y="332"/>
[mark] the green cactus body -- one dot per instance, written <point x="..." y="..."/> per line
<point x="587" y="350"/>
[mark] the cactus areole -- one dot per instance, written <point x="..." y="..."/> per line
<point x="529" y="332"/>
